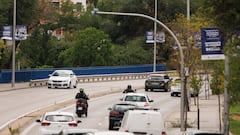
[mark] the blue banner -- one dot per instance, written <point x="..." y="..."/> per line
<point x="212" y="45"/>
<point x="21" y="32"/>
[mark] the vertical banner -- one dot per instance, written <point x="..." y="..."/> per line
<point x="21" y="32"/>
<point x="160" y="37"/>
<point x="212" y="45"/>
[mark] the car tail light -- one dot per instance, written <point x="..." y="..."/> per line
<point x="80" y="103"/>
<point x="126" y="131"/>
<point x="45" y="123"/>
<point x="114" y="112"/>
<point x="146" y="104"/>
<point x="72" y="124"/>
<point x="164" y="133"/>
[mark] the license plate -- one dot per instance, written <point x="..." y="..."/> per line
<point x="80" y="108"/>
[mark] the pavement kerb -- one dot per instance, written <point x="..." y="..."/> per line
<point x="24" y="121"/>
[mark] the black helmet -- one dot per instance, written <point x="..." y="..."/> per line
<point x="129" y="86"/>
<point x="81" y="90"/>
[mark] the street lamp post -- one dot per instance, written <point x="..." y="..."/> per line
<point x="155" y="35"/>
<point x="96" y="11"/>
<point x="13" y="43"/>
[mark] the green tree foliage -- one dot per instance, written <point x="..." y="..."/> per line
<point x="25" y="11"/>
<point x="2" y="46"/>
<point x="4" y="7"/>
<point x="217" y="81"/>
<point x="131" y="54"/>
<point x="35" y="51"/>
<point x="92" y="48"/>
<point x="222" y="11"/>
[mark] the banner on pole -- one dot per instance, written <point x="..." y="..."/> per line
<point x="212" y="45"/>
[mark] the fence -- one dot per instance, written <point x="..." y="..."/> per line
<point x="27" y="75"/>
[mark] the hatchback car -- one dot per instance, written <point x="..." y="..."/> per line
<point x="117" y="112"/>
<point x="55" y="122"/>
<point x="158" y="81"/>
<point x="62" y="79"/>
<point x="140" y="99"/>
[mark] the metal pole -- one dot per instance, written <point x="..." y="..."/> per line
<point x="226" y="97"/>
<point x="155" y="34"/>
<point x="95" y="11"/>
<point x="188" y="9"/>
<point x="13" y="43"/>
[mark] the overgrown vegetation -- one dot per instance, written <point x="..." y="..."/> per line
<point x="235" y="119"/>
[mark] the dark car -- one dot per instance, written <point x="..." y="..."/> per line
<point x="117" y="112"/>
<point x="158" y="81"/>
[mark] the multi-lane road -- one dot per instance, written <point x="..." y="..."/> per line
<point x="15" y="104"/>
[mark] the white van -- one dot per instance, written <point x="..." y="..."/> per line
<point x="143" y="122"/>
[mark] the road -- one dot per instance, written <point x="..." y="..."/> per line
<point x="15" y="104"/>
<point x="98" y="110"/>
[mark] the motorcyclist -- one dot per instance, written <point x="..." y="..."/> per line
<point x="82" y="94"/>
<point x="128" y="89"/>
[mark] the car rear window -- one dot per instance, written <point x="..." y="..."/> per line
<point x="136" y="98"/>
<point x="123" y="107"/>
<point x="59" y="118"/>
<point x="156" y="77"/>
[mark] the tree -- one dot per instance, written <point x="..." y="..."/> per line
<point x="4" y="7"/>
<point x="132" y="53"/>
<point x="2" y="46"/>
<point x="92" y="48"/>
<point x="34" y="52"/>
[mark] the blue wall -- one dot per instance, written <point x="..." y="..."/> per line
<point x="26" y="75"/>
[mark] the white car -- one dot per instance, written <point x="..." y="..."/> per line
<point x="55" y="122"/>
<point x="78" y="131"/>
<point x="143" y="122"/>
<point x="140" y="99"/>
<point x="62" y="79"/>
<point x="176" y="87"/>
<point x="112" y="133"/>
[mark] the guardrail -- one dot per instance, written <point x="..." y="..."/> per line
<point x="105" y="78"/>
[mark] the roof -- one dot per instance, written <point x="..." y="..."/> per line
<point x="59" y="113"/>
<point x="67" y="71"/>
<point x="137" y="94"/>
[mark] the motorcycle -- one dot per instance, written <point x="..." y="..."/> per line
<point x="81" y="107"/>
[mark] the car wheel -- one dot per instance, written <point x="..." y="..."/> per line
<point x="146" y="89"/>
<point x="75" y="86"/>
<point x="110" y="127"/>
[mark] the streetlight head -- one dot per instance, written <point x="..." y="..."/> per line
<point x="95" y="10"/>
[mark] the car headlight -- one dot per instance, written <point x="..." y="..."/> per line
<point x="50" y="81"/>
<point x="65" y="80"/>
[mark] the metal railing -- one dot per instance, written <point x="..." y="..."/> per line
<point x="104" y="78"/>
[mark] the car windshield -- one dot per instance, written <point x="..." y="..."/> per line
<point x="136" y="98"/>
<point x="59" y="118"/>
<point x="123" y="107"/>
<point x="63" y="74"/>
<point x="156" y="77"/>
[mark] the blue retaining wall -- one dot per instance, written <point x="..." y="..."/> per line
<point x="26" y="75"/>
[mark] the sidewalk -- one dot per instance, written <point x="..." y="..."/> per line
<point x="208" y="115"/>
<point x="8" y="86"/>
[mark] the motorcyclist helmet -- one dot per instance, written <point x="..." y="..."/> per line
<point x="129" y="87"/>
<point x="81" y="90"/>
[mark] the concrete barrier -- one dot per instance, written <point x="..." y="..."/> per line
<point x="105" y="78"/>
